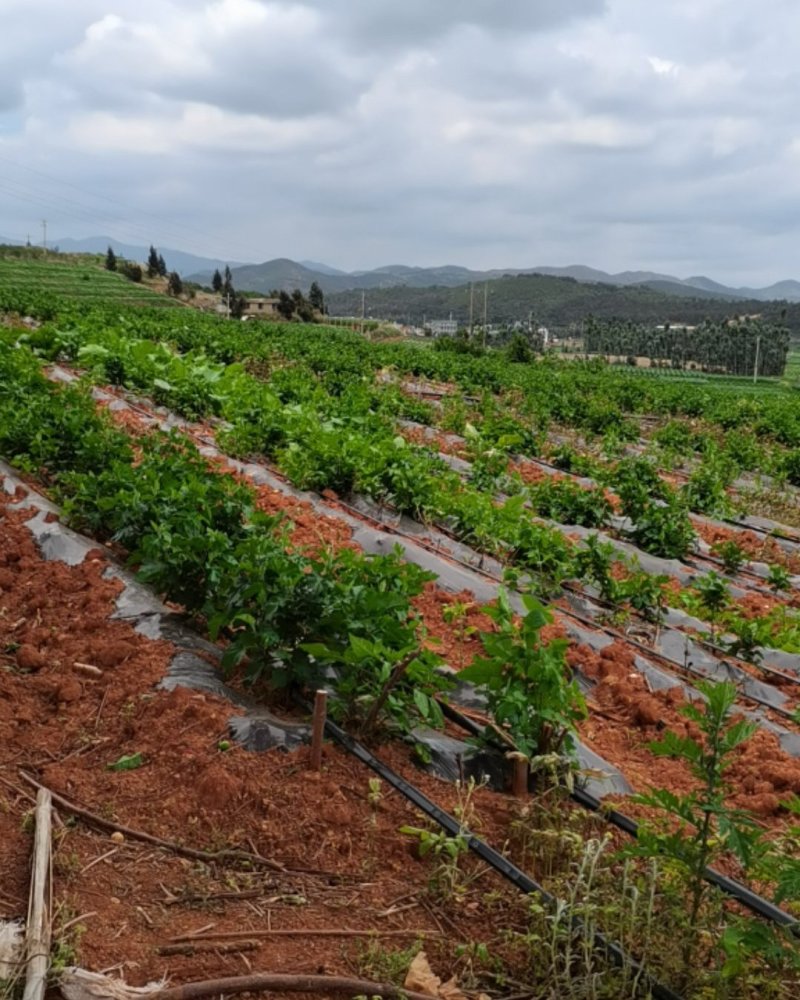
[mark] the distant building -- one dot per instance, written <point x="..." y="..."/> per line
<point x="262" y="307"/>
<point x="442" y="327"/>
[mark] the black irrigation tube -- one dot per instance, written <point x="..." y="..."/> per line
<point x="751" y="900"/>
<point x="493" y="858"/>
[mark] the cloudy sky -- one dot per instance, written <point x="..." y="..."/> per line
<point x="491" y="133"/>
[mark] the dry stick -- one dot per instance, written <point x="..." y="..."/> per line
<point x="37" y="944"/>
<point x="223" y="947"/>
<point x="148" y="838"/>
<point x="318" y="728"/>
<point x="261" y="981"/>
<point x="207" y="897"/>
<point x="394" y="677"/>
<point x="303" y="932"/>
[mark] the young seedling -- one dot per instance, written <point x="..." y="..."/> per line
<point x="700" y="825"/>
<point x="715" y="595"/>
<point x="779" y="578"/>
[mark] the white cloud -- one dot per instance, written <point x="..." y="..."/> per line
<point x="621" y="134"/>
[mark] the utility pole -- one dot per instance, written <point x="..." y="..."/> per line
<point x="471" y="307"/>
<point x="485" y="309"/>
<point x="44" y="234"/>
<point x="755" y="366"/>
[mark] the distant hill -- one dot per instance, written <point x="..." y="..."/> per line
<point x="559" y="303"/>
<point x="682" y="290"/>
<point x="176" y="260"/>
<point x="314" y="265"/>
<point x="282" y="273"/>
<point x="789" y="290"/>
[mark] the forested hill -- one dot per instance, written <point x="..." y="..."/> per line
<point x="557" y="303"/>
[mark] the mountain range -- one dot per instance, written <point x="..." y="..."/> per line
<point x="282" y="273"/>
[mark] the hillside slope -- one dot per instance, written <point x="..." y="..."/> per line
<point x="554" y="302"/>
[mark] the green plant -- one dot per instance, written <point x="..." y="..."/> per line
<point x="449" y="880"/>
<point x="779" y="578"/>
<point x="748" y="637"/>
<point x="715" y="595"/>
<point x="528" y="690"/>
<point x="566" y="501"/>
<point x="645" y="594"/>
<point x="593" y="896"/>
<point x="385" y="965"/>
<point x="732" y="555"/>
<point x="702" y="826"/>
<point x="593" y="563"/>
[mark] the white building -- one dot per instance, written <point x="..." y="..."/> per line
<point x="442" y="327"/>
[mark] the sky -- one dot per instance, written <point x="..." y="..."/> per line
<point x="623" y="134"/>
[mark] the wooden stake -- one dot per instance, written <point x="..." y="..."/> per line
<point x="318" y="728"/>
<point x="37" y="941"/>
<point x="519" y="774"/>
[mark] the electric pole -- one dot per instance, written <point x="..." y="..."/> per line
<point x="485" y="309"/>
<point x="755" y="366"/>
<point x="471" y="307"/>
<point x="44" y="234"/>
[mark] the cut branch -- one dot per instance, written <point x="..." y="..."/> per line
<point x="305" y="932"/>
<point x="261" y="982"/>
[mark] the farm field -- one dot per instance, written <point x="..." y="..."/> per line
<point x="82" y="278"/>
<point x="316" y="506"/>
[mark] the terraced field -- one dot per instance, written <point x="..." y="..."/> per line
<point x="74" y="278"/>
<point x="389" y="523"/>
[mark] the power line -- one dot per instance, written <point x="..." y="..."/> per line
<point x="178" y="230"/>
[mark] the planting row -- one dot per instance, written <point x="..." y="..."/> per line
<point x="349" y="443"/>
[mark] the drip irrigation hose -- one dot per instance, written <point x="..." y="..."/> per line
<point x="745" y="896"/>
<point x="493" y="858"/>
<point x="751" y="900"/>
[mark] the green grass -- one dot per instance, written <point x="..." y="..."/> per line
<point x="793" y="366"/>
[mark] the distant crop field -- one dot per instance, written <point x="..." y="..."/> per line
<point x="71" y="278"/>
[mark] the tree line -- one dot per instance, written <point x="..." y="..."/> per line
<point x="737" y="346"/>
<point x="156" y="267"/>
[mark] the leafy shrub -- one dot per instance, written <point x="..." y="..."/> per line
<point x="528" y="689"/>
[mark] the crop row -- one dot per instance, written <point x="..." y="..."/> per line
<point x="348" y="442"/>
<point x="197" y="535"/>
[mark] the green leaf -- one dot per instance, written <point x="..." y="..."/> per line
<point x="127" y="762"/>
<point x="423" y="703"/>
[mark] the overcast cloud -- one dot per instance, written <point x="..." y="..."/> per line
<point x="615" y="133"/>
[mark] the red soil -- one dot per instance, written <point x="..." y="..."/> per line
<point x="65" y="726"/>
